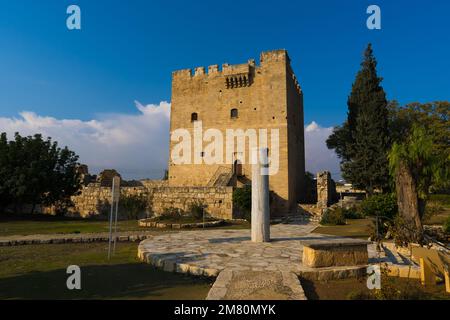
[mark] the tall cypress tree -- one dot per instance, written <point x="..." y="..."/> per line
<point x="362" y="142"/>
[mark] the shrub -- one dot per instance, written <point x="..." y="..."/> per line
<point x="333" y="217"/>
<point x="447" y="225"/>
<point x="382" y="205"/>
<point x="131" y="206"/>
<point x="352" y="213"/>
<point x="242" y="201"/>
<point x="170" y="213"/>
<point x="196" y="209"/>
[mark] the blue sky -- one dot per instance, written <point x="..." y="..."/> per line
<point x="127" y="50"/>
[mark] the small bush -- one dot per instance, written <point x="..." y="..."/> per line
<point x="333" y="217"/>
<point x="170" y="213"/>
<point x="196" y="209"/>
<point x="352" y="213"/>
<point x="447" y="225"/>
<point x="382" y="205"/>
<point x="242" y="201"/>
<point x="131" y="206"/>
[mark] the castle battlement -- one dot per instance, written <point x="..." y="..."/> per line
<point x="233" y="69"/>
<point x="238" y="75"/>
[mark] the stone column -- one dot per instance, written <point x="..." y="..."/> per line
<point x="260" y="195"/>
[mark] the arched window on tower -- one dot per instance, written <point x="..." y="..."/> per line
<point x="194" y="117"/>
<point x="234" y="113"/>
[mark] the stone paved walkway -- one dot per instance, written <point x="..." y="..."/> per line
<point x="210" y="251"/>
<point x="247" y="270"/>
<point x="244" y="270"/>
<point x="256" y="285"/>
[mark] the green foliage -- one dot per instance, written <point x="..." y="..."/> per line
<point x="421" y="133"/>
<point x="362" y="142"/>
<point x="242" y="201"/>
<point x="352" y="213"/>
<point x="132" y="206"/>
<point x="381" y="205"/>
<point x="36" y="171"/>
<point x="310" y="189"/>
<point x="422" y="158"/>
<point x="196" y="210"/>
<point x="170" y="213"/>
<point x="447" y="225"/>
<point x="333" y="217"/>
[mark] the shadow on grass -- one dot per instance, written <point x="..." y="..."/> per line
<point x="122" y="281"/>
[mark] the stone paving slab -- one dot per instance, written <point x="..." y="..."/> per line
<point x="16" y="240"/>
<point x="256" y="285"/>
<point x="209" y="252"/>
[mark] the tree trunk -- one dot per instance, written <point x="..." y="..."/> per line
<point x="408" y="203"/>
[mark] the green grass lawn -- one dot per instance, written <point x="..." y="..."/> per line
<point x="438" y="218"/>
<point x="358" y="228"/>
<point x="47" y="224"/>
<point x="39" y="272"/>
<point x="442" y="199"/>
<point x="60" y="225"/>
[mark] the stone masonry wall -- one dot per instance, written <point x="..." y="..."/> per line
<point x="95" y="199"/>
<point x="219" y="200"/>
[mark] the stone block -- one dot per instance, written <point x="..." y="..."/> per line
<point x="330" y="253"/>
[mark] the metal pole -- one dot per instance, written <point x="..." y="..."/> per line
<point x="115" y="226"/>
<point x="110" y="221"/>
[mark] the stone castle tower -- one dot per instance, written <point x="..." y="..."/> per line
<point x="244" y="96"/>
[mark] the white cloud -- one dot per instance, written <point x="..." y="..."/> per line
<point x="318" y="156"/>
<point x="137" y="145"/>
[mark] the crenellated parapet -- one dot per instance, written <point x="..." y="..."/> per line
<point x="239" y="75"/>
<point x="297" y="84"/>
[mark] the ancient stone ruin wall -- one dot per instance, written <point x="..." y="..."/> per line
<point x="326" y="190"/>
<point x="149" y="184"/>
<point x="95" y="199"/>
<point x="219" y="200"/>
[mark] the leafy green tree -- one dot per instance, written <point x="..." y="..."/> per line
<point x="362" y="142"/>
<point x="434" y="118"/>
<point x="5" y="169"/>
<point x="416" y="164"/>
<point x="36" y="171"/>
